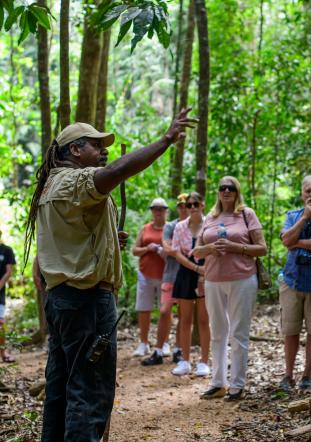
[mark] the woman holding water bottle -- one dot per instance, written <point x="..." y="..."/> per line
<point x="230" y="240"/>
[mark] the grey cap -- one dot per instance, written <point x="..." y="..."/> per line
<point x="158" y="202"/>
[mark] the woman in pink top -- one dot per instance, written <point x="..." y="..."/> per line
<point x="187" y="287"/>
<point x="229" y="241"/>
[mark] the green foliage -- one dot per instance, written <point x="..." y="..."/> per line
<point x="28" y="17"/>
<point x="268" y="82"/>
<point x="147" y="18"/>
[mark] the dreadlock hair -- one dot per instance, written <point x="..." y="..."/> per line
<point x="54" y="157"/>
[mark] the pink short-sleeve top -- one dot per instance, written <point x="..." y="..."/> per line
<point x="182" y="238"/>
<point x="229" y="266"/>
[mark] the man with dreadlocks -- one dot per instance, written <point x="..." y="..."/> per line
<point x="79" y="257"/>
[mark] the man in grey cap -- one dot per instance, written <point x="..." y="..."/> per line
<point x="79" y="257"/>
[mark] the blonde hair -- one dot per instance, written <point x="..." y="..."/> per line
<point x="239" y="201"/>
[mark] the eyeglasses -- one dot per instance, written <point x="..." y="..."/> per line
<point x="158" y="208"/>
<point x="181" y="206"/>
<point x="228" y="187"/>
<point x="196" y="205"/>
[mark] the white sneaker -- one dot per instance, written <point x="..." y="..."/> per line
<point x="202" y="369"/>
<point x="166" y="349"/>
<point x="142" y="350"/>
<point x="183" y="367"/>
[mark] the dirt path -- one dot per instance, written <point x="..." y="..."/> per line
<point x="153" y="405"/>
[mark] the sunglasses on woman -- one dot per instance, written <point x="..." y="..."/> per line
<point x="196" y="205"/>
<point x="228" y="187"/>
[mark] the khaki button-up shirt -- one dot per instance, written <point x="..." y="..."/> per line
<point x="76" y="231"/>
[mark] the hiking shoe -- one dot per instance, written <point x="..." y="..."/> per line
<point x="305" y="383"/>
<point x="177" y="356"/>
<point x="183" y="367"/>
<point x="166" y="349"/>
<point x="142" y="350"/>
<point x="236" y="396"/>
<point x="155" y="359"/>
<point x="286" y="384"/>
<point x="213" y="393"/>
<point x="202" y="369"/>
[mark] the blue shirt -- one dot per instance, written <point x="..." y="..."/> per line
<point x="171" y="265"/>
<point x="297" y="277"/>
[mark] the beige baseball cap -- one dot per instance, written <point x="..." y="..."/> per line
<point x="78" y="130"/>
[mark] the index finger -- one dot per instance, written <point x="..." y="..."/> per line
<point x="183" y="113"/>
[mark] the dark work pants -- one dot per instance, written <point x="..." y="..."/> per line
<point x="79" y="393"/>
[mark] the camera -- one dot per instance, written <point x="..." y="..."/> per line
<point x="304" y="259"/>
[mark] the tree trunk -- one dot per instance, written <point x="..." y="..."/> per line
<point x="178" y="54"/>
<point x="44" y="88"/>
<point x="64" y="107"/>
<point x="204" y="82"/>
<point x="88" y="80"/>
<point x="258" y="70"/>
<point x="184" y="88"/>
<point x="101" y="108"/>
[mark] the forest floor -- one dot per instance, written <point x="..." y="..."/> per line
<point x="153" y="405"/>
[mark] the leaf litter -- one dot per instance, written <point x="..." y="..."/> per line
<point x="153" y="405"/>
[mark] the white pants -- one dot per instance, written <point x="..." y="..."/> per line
<point x="230" y="305"/>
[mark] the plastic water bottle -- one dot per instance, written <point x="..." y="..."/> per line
<point x="221" y="232"/>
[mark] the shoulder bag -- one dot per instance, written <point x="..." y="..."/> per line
<point x="264" y="278"/>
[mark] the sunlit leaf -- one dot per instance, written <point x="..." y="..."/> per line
<point x="41" y="15"/>
<point x="123" y="30"/>
<point x="12" y="17"/>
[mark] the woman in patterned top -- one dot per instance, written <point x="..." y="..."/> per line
<point x="188" y="288"/>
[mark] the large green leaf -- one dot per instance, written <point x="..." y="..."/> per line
<point x="123" y="30"/>
<point x="111" y="16"/>
<point x="13" y="16"/>
<point x="130" y="14"/>
<point x="8" y="5"/>
<point x="41" y="15"/>
<point x="23" y="24"/>
<point x="1" y="16"/>
<point x="32" y="22"/>
<point x="161" y="29"/>
<point x="141" y="25"/>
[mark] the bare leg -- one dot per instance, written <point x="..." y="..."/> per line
<point x="164" y="324"/>
<point x="307" y="371"/>
<point x="178" y="328"/>
<point x="291" y="349"/>
<point x="204" y="331"/>
<point x="2" y="338"/>
<point x="186" y="312"/>
<point x="144" y="325"/>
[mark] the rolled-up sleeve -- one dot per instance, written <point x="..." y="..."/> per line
<point x="84" y="192"/>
